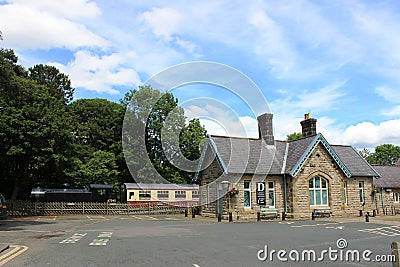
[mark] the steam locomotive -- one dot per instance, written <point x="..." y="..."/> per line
<point x="96" y="193"/>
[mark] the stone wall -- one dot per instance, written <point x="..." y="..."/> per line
<point x="237" y="202"/>
<point x="354" y="205"/>
<point x="388" y="204"/>
<point x="208" y="189"/>
<point x="320" y="163"/>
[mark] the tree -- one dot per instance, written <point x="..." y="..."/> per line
<point x="97" y="144"/>
<point x="98" y="168"/>
<point x="191" y="139"/>
<point x="35" y="130"/>
<point x="293" y="136"/>
<point x="365" y="153"/>
<point x="156" y="130"/>
<point x="386" y="154"/>
<point x="58" y="83"/>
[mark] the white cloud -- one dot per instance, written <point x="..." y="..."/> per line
<point x="389" y="94"/>
<point x="73" y="9"/>
<point x="360" y="135"/>
<point x="319" y="100"/>
<point x="241" y="127"/>
<point x="366" y="134"/>
<point x="163" y="22"/>
<point x="322" y="99"/>
<point x="378" y="28"/>
<point x="392" y="96"/>
<point x="394" y="112"/>
<point x="101" y="73"/>
<point x="25" y="27"/>
<point x="272" y="42"/>
<point x="220" y="120"/>
<point x="190" y="47"/>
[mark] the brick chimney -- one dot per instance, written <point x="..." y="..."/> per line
<point x="265" y="129"/>
<point x="308" y="125"/>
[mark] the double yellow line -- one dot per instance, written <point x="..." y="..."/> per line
<point x="15" y="251"/>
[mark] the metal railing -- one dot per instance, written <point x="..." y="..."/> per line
<point x="27" y="208"/>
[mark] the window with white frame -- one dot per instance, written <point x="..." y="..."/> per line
<point x="162" y="194"/>
<point x="396" y="197"/>
<point x="271" y="194"/>
<point x="144" y="195"/>
<point x="195" y="194"/>
<point x="247" y="194"/>
<point x="318" y="188"/>
<point x="345" y="192"/>
<point x="180" y="194"/>
<point x="361" y="191"/>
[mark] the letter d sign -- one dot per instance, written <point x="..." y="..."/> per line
<point x="260" y="187"/>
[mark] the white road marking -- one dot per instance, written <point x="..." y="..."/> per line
<point x="144" y="217"/>
<point x="172" y="219"/>
<point x="95" y="217"/>
<point x="101" y="240"/>
<point x="46" y="218"/>
<point x="73" y="239"/>
<point x="311" y="225"/>
<point x="333" y="227"/>
<point x="386" y="231"/>
<point x="196" y="265"/>
<point x="105" y="234"/>
<point x="151" y="218"/>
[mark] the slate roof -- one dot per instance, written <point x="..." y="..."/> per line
<point x="296" y="151"/>
<point x="356" y="164"/>
<point x="253" y="156"/>
<point x="246" y="155"/>
<point x="390" y="176"/>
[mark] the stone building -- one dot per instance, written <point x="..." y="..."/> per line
<point x="241" y="175"/>
<point x="388" y="188"/>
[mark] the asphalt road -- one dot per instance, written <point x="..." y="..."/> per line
<point x="178" y="241"/>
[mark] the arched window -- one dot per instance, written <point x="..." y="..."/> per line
<point x="318" y="187"/>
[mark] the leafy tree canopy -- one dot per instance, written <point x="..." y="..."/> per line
<point x="386" y="154"/>
<point x="164" y="123"/>
<point x="35" y="129"/>
<point x="293" y="136"/>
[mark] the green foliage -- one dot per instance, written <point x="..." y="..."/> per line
<point x="166" y="135"/>
<point x="386" y="154"/>
<point x="48" y="139"/>
<point x="35" y="130"/>
<point x="293" y="136"/>
<point x="57" y="83"/>
<point x="98" y="168"/>
<point x="97" y="144"/>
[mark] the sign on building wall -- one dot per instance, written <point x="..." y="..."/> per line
<point x="260" y="193"/>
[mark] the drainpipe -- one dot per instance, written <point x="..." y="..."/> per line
<point x="375" y="199"/>
<point x="284" y="193"/>
<point x="383" y="201"/>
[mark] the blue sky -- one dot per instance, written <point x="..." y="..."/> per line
<point x="339" y="60"/>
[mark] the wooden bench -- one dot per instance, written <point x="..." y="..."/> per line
<point x="269" y="212"/>
<point x="322" y="212"/>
